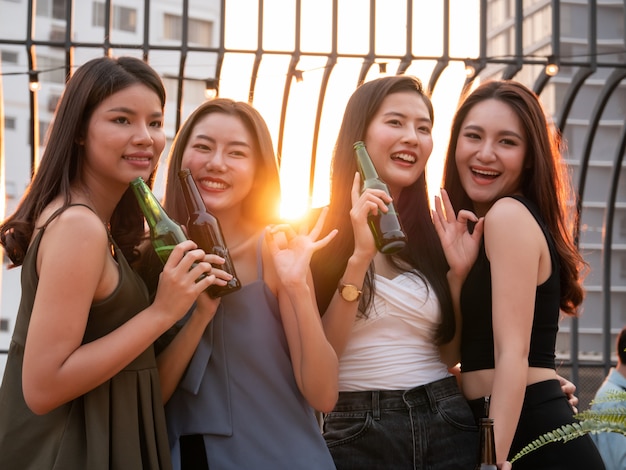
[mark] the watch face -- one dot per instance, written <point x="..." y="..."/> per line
<point x="350" y="293"/>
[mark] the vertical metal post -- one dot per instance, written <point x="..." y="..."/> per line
<point x="33" y="102"/>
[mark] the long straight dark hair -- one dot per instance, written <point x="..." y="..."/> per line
<point x="62" y="159"/>
<point x="423" y="252"/>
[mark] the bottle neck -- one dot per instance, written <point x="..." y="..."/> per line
<point x="487" y="442"/>
<point x="149" y="204"/>
<point x="366" y="166"/>
<point x="192" y="196"/>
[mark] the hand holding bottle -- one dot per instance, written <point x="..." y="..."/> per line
<point x="205" y="230"/>
<point x="186" y="274"/>
<point x="167" y="236"/>
<point x="363" y="204"/>
<point x="384" y="224"/>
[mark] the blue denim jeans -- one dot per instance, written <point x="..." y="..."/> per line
<point x="428" y="427"/>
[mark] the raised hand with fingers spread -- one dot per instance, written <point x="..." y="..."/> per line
<point x="460" y="242"/>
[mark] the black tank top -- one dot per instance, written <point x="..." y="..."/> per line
<point x="476" y="307"/>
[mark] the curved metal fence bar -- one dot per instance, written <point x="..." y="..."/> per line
<point x="609" y="223"/>
<point x="501" y="51"/>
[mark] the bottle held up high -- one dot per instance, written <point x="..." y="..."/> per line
<point x="205" y="230"/>
<point x="386" y="228"/>
<point x="487" y="449"/>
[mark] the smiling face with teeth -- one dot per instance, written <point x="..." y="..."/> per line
<point x="490" y="153"/>
<point x="399" y="139"/>
<point x="221" y="155"/>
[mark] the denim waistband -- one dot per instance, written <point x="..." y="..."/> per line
<point x="535" y="393"/>
<point x="376" y="400"/>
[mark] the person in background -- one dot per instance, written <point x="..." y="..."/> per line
<point x="390" y="318"/>
<point x="81" y="386"/>
<point x="612" y="445"/>
<point x="245" y="373"/>
<point x="511" y="243"/>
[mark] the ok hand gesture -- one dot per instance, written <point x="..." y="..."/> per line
<point x="460" y="245"/>
<point x="292" y="250"/>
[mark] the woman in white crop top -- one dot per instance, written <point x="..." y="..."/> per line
<point x="399" y="407"/>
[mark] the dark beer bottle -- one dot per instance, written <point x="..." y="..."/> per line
<point x="386" y="228"/>
<point x="487" y="449"/>
<point x="204" y="229"/>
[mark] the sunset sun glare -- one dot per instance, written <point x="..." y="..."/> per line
<point x="303" y="153"/>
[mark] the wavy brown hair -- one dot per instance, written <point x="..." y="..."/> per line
<point x="544" y="181"/>
<point x="62" y="160"/>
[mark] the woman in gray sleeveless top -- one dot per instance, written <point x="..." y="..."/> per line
<point x="249" y="369"/>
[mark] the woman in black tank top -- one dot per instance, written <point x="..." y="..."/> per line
<point x="511" y="243"/>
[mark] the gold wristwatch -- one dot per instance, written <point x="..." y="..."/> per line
<point x="349" y="292"/>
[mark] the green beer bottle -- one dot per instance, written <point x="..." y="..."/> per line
<point x="386" y="228"/>
<point x="165" y="233"/>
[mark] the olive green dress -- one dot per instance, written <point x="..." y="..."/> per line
<point x="120" y="425"/>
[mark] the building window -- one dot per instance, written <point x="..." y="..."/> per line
<point x="53" y="100"/>
<point x="51" y="8"/>
<point x="57" y="33"/>
<point x="193" y="90"/>
<point x="4" y="324"/>
<point x="53" y="70"/>
<point x="124" y="18"/>
<point x="10" y="123"/>
<point x="172" y="27"/>
<point x="9" y="57"/>
<point x="499" y="12"/>
<point x="43" y="132"/>
<point x="199" y="31"/>
<point x="10" y="191"/>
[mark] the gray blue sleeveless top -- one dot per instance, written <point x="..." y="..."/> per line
<point x="119" y="425"/>
<point x="240" y="393"/>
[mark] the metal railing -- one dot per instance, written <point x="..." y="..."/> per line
<point x="517" y="61"/>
